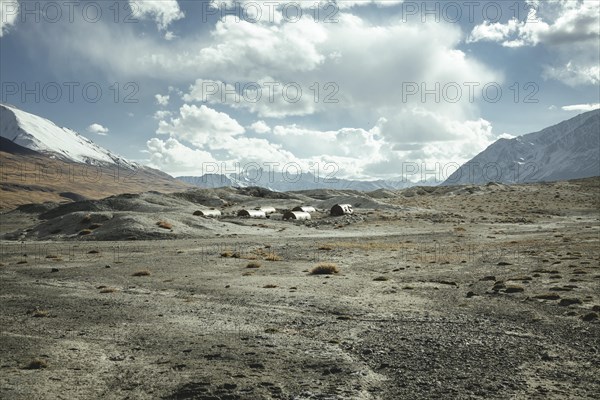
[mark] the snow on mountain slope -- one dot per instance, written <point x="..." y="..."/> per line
<point x="568" y="150"/>
<point x="41" y="135"/>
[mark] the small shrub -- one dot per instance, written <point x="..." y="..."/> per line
<point x="325" y="247"/>
<point x="164" y="225"/>
<point x="37" y="364"/>
<point x="40" y="313"/>
<point x="108" y="290"/>
<point x="381" y="279"/>
<point x="22" y="262"/>
<point x="253" y="264"/>
<point x="95" y="226"/>
<point x="51" y="256"/>
<point x="273" y="257"/>
<point x="325" y="269"/>
<point x="93" y="252"/>
<point x="86" y="219"/>
<point x="84" y="232"/>
<point x="141" y="273"/>
<point x="270" y="286"/>
<point x="226" y="254"/>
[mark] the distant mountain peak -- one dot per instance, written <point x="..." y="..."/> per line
<point x="44" y="136"/>
<point x="567" y="150"/>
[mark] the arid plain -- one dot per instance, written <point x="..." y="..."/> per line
<point x="478" y="292"/>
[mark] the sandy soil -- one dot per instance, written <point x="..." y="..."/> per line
<point x="474" y="292"/>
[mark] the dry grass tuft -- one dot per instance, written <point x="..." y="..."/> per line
<point x="164" y="225"/>
<point x="227" y="254"/>
<point x="270" y="286"/>
<point x="381" y="279"/>
<point x="94" y="251"/>
<point x="325" y="269"/>
<point x="108" y="290"/>
<point x="95" y="226"/>
<point x="273" y="257"/>
<point x="37" y="364"/>
<point x="325" y="247"/>
<point x="22" y="262"/>
<point x="86" y="219"/>
<point x="143" y="272"/>
<point x="84" y="232"/>
<point x="253" y="264"/>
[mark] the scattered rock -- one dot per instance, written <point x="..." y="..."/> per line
<point x="548" y="356"/>
<point x="569" y="302"/>
<point x="590" y="317"/>
<point x="514" y="289"/>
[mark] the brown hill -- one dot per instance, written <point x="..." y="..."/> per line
<point x="30" y="177"/>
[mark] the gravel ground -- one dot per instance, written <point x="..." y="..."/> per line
<point x="490" y="295"/>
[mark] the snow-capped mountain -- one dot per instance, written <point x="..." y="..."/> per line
<point x="47" y="163"/>
<point x="43" y="136"/>
<point x="568" y="150"/>
<point x="284" y="183"/>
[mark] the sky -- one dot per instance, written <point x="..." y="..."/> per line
<point x="357" y="89"/>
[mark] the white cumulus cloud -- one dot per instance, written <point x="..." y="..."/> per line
<point x="9" y="12"/>
<point x="201" y="126"/>
<point x="162" y="100"/>
<point x="97" y="129"/>
<point x="163" y="12"/>
<point x="569" y="29"/>
<point x="260" y="127"/>
<point x="581" y="107"/>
